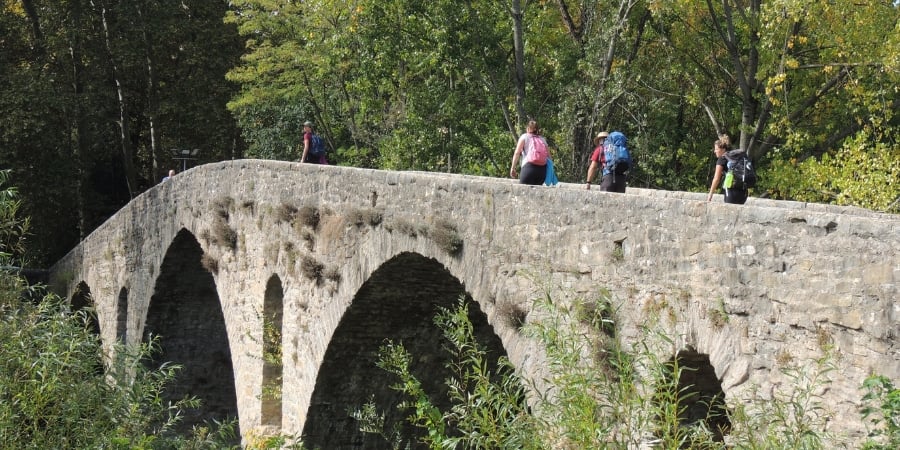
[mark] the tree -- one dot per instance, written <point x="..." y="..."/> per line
<point x="800" y="71"/>
<point x="96" y="93"/>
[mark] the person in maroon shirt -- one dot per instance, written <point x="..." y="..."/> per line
<point x="611" y="182"/>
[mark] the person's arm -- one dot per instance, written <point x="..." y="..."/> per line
<point x="513" y="173"/>
<point x="305" y="147"/>
<point x="592" y="170"/>
<point x="715" y="182"/>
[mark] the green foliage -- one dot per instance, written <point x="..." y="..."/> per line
<point x="13" y="227"/>
<point x="864" y="172"/>
<point x="603" y="395"/>
<point x="795" y="418"/>
<point x="56" y="392"/>
<point x="882" y="411"/>
<point x="273" y="129"/>
<point x="488" y="408"/>
<point x="56" y="389"/>
<point x="85" y="126"/>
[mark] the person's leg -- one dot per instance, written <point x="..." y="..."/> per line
<point x="619" y="183"/>
<point x="607" y="183"/>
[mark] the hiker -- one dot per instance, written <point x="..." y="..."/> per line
<point x="313" y="147"/>
<point x="533" y="149"/>
<point x="170" y="175"/>
<point x="611" y="157"/>
<point x="596" y="157"/>
<point x="732" y="194"/>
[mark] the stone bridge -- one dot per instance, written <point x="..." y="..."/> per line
<point x="334" y="261"/>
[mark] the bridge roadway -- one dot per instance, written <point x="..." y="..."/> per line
<point x="336" y="260"/>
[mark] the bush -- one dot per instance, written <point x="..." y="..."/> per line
<point x="616" y="398"/>
<point x="56" y="391"/>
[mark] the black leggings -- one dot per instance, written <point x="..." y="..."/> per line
<point x="532" y="174"/>
<point x="736" y="196"/>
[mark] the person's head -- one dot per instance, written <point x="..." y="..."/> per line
<point x="308" y="125"/>
<point x="171" y="172"/>
<point x="532" y="127"/>
<point x="722" y="145"/>
<point x="601" y="137"/>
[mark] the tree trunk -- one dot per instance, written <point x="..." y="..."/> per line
<point x="152" y="94"/>
<point x="519" y="52"/>
<point x="124" y="132"/>
<point x="78" y="142"/>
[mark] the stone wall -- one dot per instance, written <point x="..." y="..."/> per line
<point x="754" y="288"/>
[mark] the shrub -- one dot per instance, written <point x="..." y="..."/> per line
<point x="630" y="399"/>
<point x="56" y="391"/>
<point x="882" y="412"/>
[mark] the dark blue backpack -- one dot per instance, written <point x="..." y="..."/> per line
<point x="741" y="174"/>
<point x="615" y="154"/>
<point x="316" y="145"/>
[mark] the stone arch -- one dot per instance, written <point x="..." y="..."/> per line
<point x="122" y="315"/>
<point x="702" y="398"/>
<point x="398" y="302"/>
<point x="83" y="300"/>
<point x="273" y="345"/>
<point x="81" y="297"/>
<point x="186" y="317"/>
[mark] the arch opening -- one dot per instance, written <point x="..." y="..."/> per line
<point x="83" y="300"/>
<point x="186" y="317"/>
<point x="701" y="399"/>
<point x="398" y="302"/>
<point x="122" y="316"/>
<point x="272" y="332"/>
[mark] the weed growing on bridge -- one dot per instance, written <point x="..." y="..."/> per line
<point x="209" y="263"/>
<point x="403" y="226"/>
<point x="444" y="234"/>
<point x="365" y="216"/>
<point x="718" y="316"/>
<point x="512" y="314"/>
<point x="309" y="216"/>
<point x="795" y="417"/>
<point x="311" y="268"/>
<point x="489" y="410"/>
<point x="223" y="206"/>
<point x="285" y="213"/>
<point x="332" y="273"/>
<point x="223" y="235"/>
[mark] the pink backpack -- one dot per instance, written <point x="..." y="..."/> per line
<point x="538" y="154"/>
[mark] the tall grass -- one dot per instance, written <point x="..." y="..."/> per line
<point x="602" y="394"/>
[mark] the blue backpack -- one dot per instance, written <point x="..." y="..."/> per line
<point x="316" y="145"/>
<point x="615" y="154"/>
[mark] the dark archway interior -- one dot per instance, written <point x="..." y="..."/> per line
<point x="83" y="301"/>
<point x="186" y="316"/>
<point x="701" y="394"/>
<point x="273" y="314"/>
<point x="122" y="316"/>
<point x="398" y="302"/>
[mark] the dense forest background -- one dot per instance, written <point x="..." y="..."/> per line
<point x="96" y="94"/>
